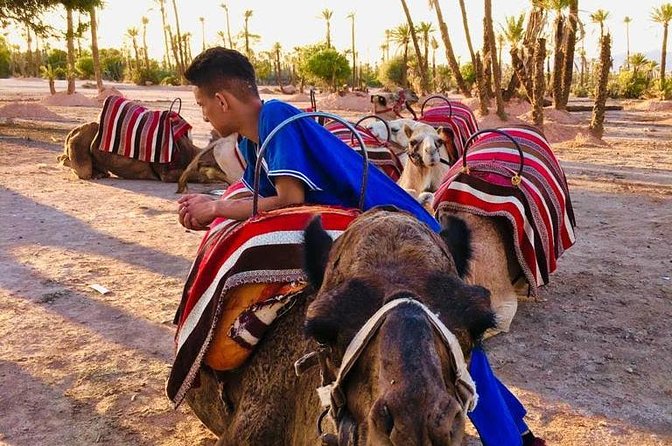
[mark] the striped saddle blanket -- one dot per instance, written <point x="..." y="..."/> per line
<point x="539" y="209"/>
<point x="132" y="131"/>
<point x="457" y="117"/>
<point x="380" y="154"/>
<point x="243" y="276"/>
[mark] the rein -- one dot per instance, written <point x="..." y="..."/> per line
<point x="331" y="393"/>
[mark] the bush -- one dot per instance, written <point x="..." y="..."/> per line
<point x="171" y="79"/>
<point x="5" y="58"/>
<point x="469" y="74"/>
<point x="145" y="76"/>
<point x="330" y="67"/>
<point x="443" y="79"/>
<point x="391" y="72"/>
<point x="84" y="67"/>
<point x="60" y="73"/>
<point x="663" y="90"/>
<point x="628" y="84"/>
<point x="112" y="64"/>
<point x="57" y="59"/>
<point x="581" y="91"/>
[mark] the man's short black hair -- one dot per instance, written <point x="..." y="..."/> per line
<point x="220" y="68"/>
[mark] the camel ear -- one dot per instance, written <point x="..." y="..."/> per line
<point x="408" y="130"/>
<point x="316" y="247"/>
<point x="457" y="236"/>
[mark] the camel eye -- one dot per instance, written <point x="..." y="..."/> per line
<point x="414" y="142"/>
<point x="394" y="130"/>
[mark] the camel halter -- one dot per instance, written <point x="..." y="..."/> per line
<point x="332" y="397"/>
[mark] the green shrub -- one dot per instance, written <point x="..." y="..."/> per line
<point x="391" y="72"/>
<point x="84" y="67"/>
<point x="171" y="79"/>
<point x="5" y="58"/>
<point x="628" y="84"/>
<point x="57" y="58"/>
<point x="330" y="67"/>
<point x="60" y="73"/>
<point x="469" y="74"/>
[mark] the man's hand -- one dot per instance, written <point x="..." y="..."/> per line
<point x="196" y="211"/>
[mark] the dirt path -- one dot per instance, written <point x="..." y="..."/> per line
<point x="591" y="360"/>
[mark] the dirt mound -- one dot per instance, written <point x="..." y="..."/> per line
<point x="299" y="97"/>
<point x="29" y="111"/>
<point x="584" y="139"/>
<point x="266" y="91"/>
<point x="554" y="116"/>
<point x="349" y="102"/>
<point x="654" y="105"/>
<point x="108" y="91"/>
<point x="63" y="99"/>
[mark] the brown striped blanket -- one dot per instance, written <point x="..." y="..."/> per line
<point x="266" y="249"/>
<point x="457" y="117"/>
<point x="539" y="209"/>
<point x="379" y="152"/>
<point x="133" y="131"/>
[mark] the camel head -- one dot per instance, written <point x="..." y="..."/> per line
<point x="405" y="384"/>
<point x="397" y="134"/>
<point x="424" y="145"/>
<point x="448" y="136"/>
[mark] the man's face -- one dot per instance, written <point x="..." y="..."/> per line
<point x="215" y="110"/>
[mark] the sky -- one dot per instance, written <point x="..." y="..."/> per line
<point x="295" y="23"/>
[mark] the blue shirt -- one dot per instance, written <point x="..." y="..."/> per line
<point x="330" y="170"/>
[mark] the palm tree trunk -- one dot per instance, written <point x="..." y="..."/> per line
<point x="180" y="51"/>
<point x="539" y="85"/>
<point x="493" y="57"/>
<point x="228" y="29"/>
<point x="94" y="49"/>
<point x="404" y="71"/>
<point x="487" y="61"/>
<point x="597" y="123"/>
<point x="663" y="57"/>
<point x="424" y="81"/>
<point x="465" y="24"/>
<point x="29" y="52"/>
<point x="144" y="45"/>
<point x="354" y="64"/>
<point x="450" y="55"/>
<point x="165" y="34"/>
<point x="570" y="47"/>
<point x="524" y="77"/>
<point x="71" y="52"/>
<point x="483" y="100"/>
<point x="558" y="58"/>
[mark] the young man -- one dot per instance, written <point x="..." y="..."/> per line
<point x="305" y="163"/>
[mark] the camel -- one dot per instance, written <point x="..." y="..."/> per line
<point x="388" y="105"/>
<point x="430" y="154"/>
<point x="487" y="231"/>
<point x="403" y="389"/>
<point x="220" y="157"/>
<point x="88" y="162"/>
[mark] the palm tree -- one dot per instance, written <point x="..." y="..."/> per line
<point x="435" y="46"/>
<point x="133" y="34"/>
<point x="663" y="15"/>
<point x="600" y="16"/>
<point x="493" y="57"/>
<point x="94" y="49"/>
<point x="465" y="25"/>
<point x="569" y="49"/>
<point x="558" y="55"/>
<point x="71" y="50"/>
<point x="162" y="7"/>
<point x="388" y="36"/>
<point x="402" y="37"/>
<point x="351" y="16"/>
<point x="180" y="51"/>
<point x="627" y="20"/>
<point x="202" y="20"/>
<point x="636" y="62"/>
<point x="228" y="28"/>
<point x="326" y="15"/>
<point x="450" y="54"/>
<point x="246" y="31"/>
<point x="597" y="122"/>
<point x="145" y="21"/>
<point x="424" y="81"/>
<point x="276" y="56"/>
<point x="513" y="34"/>
<point x="426" y="29"/>
<point x="538" y="83"/>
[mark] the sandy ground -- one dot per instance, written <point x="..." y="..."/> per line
<point x="590" y="360"/>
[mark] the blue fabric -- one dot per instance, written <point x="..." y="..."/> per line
<point x="498" y="416"/>
<point x="331" y="171"/>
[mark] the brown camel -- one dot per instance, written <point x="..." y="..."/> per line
<point x="88" y="162"/>
<point x="403" y="388"/>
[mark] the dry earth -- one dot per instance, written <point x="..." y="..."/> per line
<point x="590" y="360"/>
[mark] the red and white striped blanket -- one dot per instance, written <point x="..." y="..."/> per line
<point x="265" y="249"/>
<point x="539" y="208"/>
<point x="457" y="117"/>
<point x="133" y="131"/>
<point x="380" y="154"/>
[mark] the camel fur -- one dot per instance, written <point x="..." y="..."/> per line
<point x="218" y="160"/>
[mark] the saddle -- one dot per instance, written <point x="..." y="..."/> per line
<point x="245" y="275"/>
<point x="131" y="130"/>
